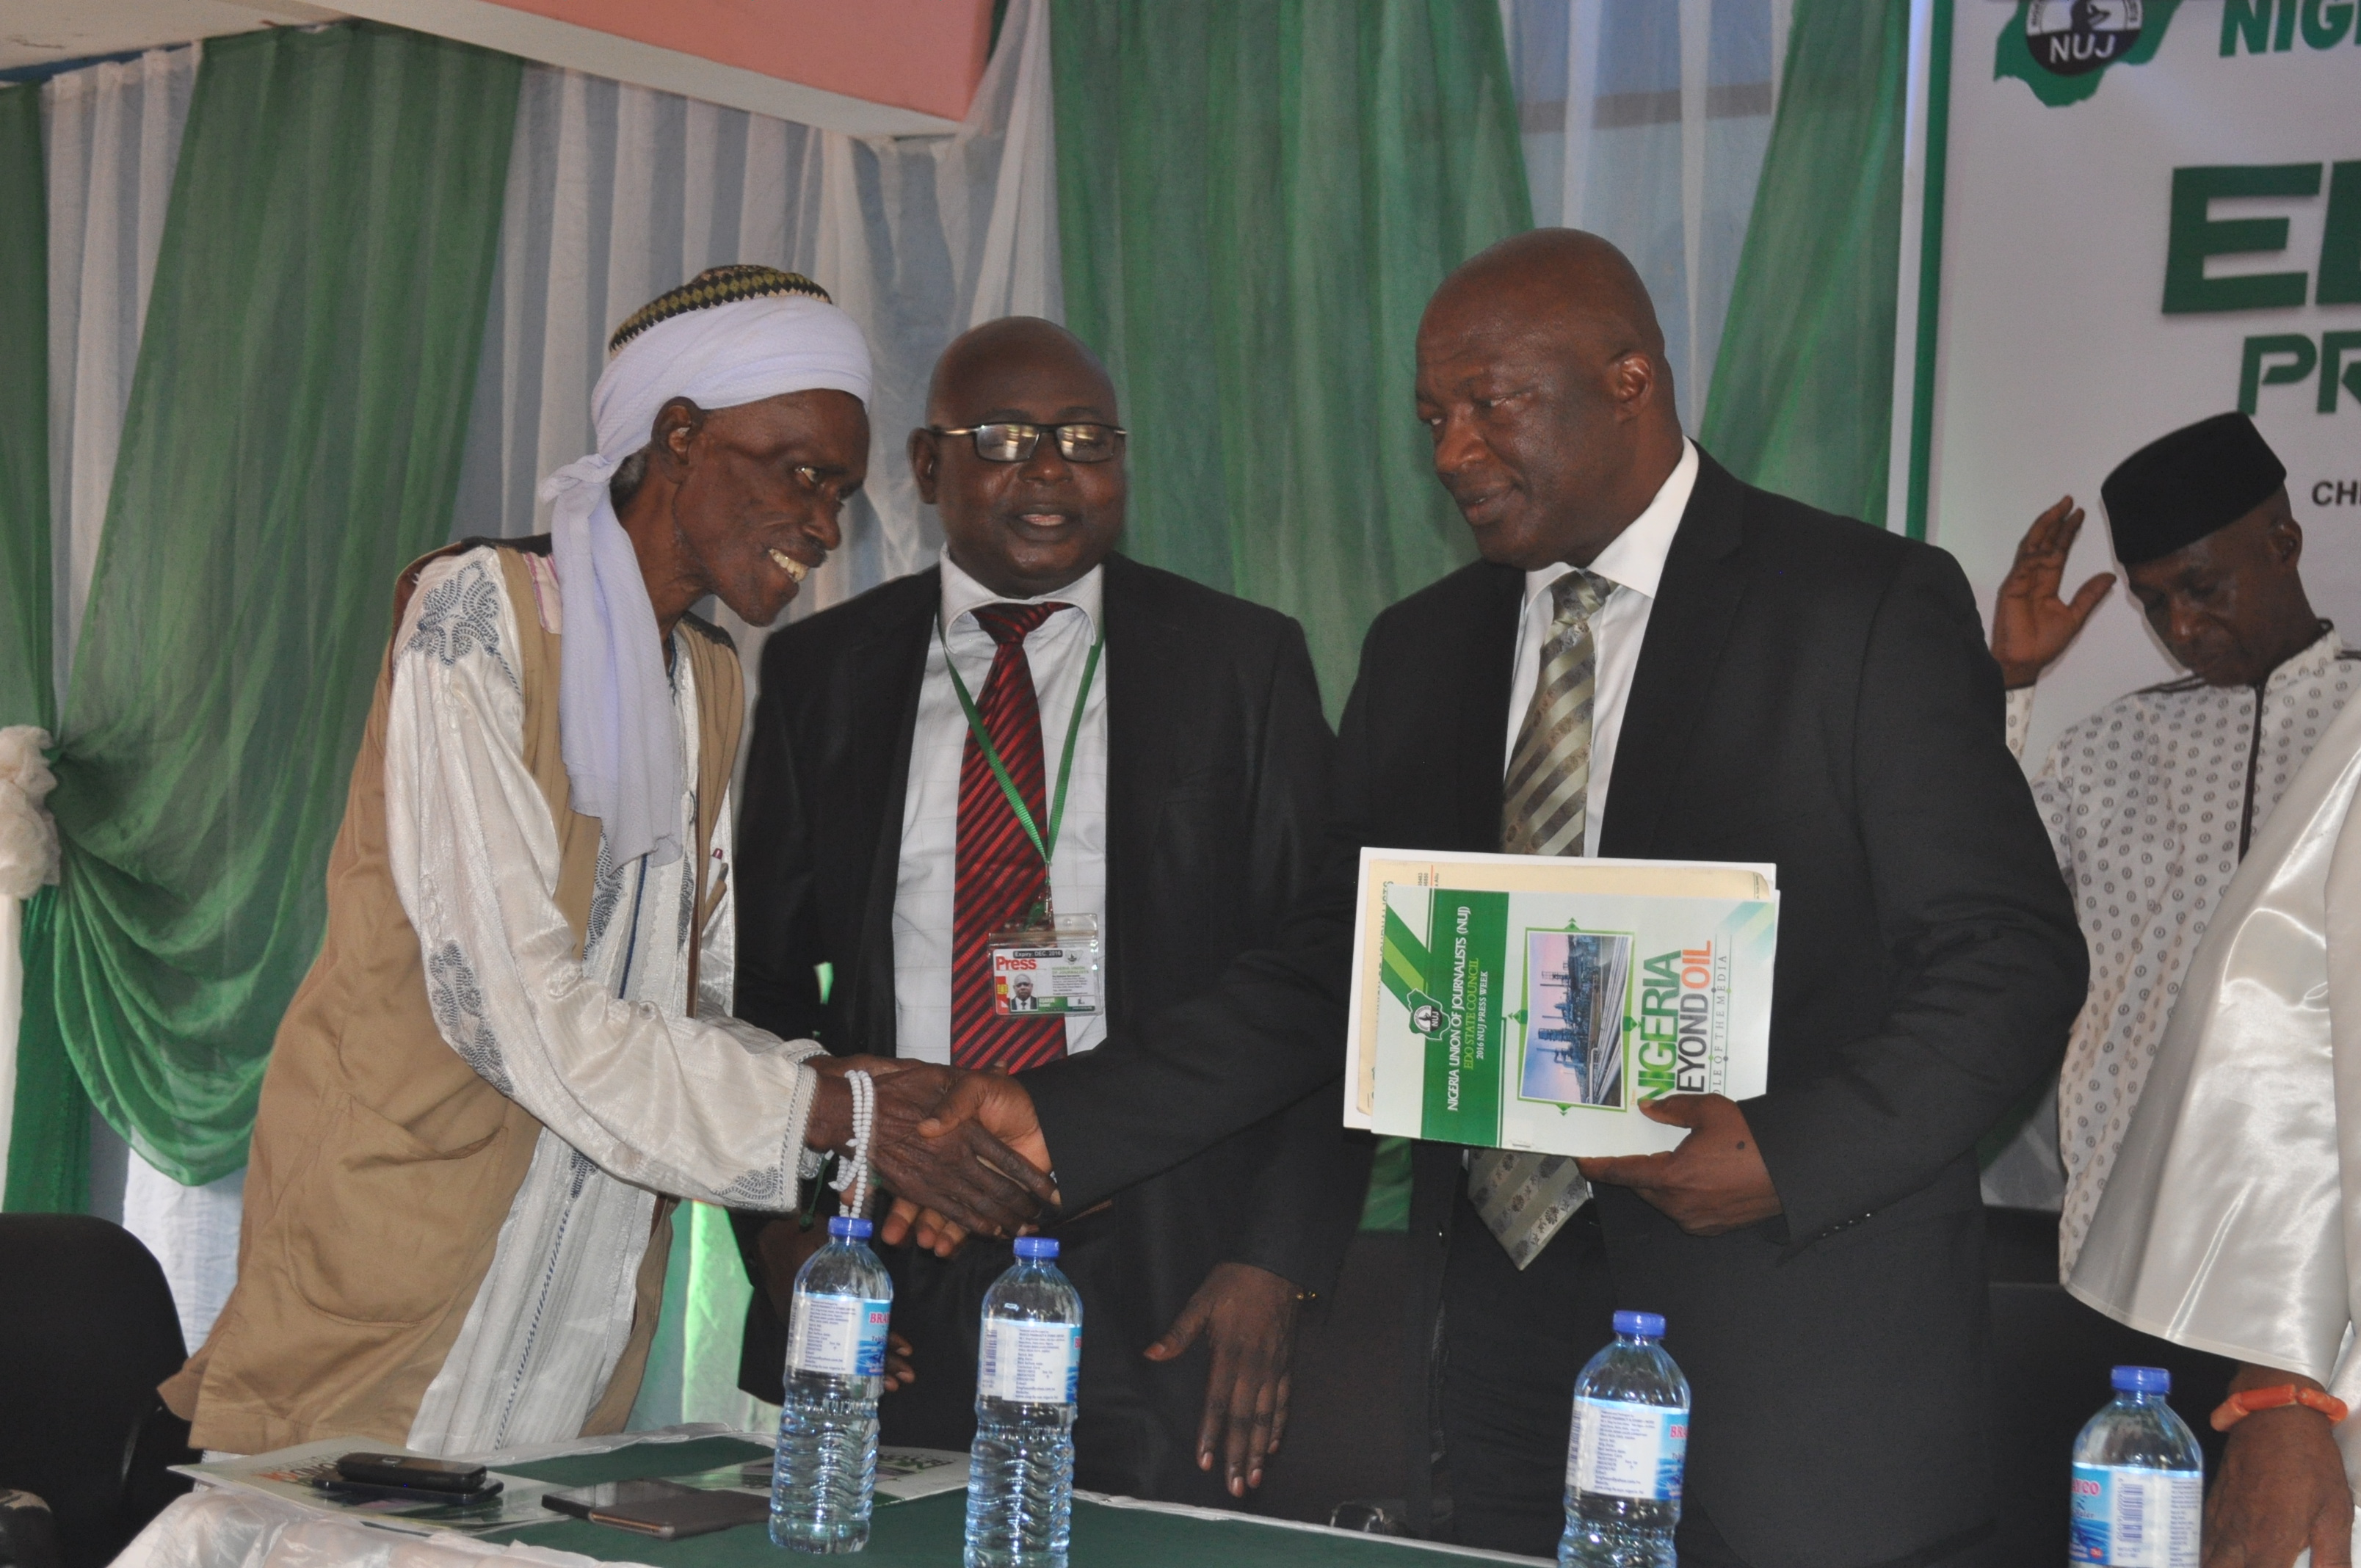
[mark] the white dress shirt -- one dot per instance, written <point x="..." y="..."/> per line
<point x="927" y="884"/>
<point x="1634" y="563"/>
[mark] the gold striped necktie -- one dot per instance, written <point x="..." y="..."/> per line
<point x="1524" y="1198"/>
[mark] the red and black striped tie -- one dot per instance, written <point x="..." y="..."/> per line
<point x="1000" y="873"/>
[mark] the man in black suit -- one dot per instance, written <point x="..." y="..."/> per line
<point x="1176" y="775"/>
<point x="1751" y="680"/>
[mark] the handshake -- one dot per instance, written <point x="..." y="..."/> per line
<point x="961" y="1152"/>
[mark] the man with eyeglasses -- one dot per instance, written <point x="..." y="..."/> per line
<point x="1035" y="793"/>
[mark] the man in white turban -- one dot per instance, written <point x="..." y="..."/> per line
<point x="515" y="1050"/>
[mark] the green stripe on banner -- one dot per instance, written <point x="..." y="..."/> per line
<point x="1402" y="962"/>
<point x="1466" y="973"/>
<point x="1930" y="265"/>
<point x="293" y="438"/>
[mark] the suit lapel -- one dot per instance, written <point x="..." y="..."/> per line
<point x="1148" y="703"/>
<point x="873" y="791"/>
<point x="1695" y="604"/>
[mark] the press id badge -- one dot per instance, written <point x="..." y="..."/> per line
<point x="1048" y="967"/>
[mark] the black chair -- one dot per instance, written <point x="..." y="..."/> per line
<point x="87" y="1330"/>
<point x="2050" y="1359"/>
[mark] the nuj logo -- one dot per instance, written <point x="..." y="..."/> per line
<point x="2068" y="37"/>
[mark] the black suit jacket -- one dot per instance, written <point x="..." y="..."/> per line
<point x="1218" y="773"/>
<point x="1813" y="693"/>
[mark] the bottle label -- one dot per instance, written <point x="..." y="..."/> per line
<point x="2130" y="1515"/>
<point x="838" y="1336"/>
<point x="1626" y="1450"/>
<point x="1031" y="1363"/>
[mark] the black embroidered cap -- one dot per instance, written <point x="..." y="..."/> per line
<point x="714" y="286"/>
<point x="2180" y="487"/>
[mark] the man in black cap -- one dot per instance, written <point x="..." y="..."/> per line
<point x="2153" y="800"/>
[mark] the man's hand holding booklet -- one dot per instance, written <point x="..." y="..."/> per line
<point x="1536" y="1003"/>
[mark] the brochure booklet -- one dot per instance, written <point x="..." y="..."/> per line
<point x="1533" y="1003"/>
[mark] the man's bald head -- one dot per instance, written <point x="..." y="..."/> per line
<point x="1030" y="527"/>
<point x="981" y="362"/>
<point x="1541" y="375"/>
<point x="1576" y="281"/>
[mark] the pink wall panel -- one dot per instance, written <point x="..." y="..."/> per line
<point x="916" y="54"/>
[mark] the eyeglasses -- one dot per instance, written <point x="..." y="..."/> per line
<point x="1008" y="442"/>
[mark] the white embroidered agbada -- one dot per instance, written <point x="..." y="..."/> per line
<point x="2232" y="1221"/>
<point x="2150" y="803"/>
<point x="598" y="1050"/>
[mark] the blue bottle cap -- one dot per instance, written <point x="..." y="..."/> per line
<point x="842" y="1225"/>
<point x="1647" y="1325"/>
<point x="1037" y="1246"/>
<point x="2143" y="1380"/>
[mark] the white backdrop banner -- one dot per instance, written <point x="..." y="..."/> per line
<point x="2144" y="214"/>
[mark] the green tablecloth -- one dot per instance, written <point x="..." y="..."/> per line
<point x="925" y="1533"/>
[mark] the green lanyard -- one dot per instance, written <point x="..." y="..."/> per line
<point x="1046" y="846"/>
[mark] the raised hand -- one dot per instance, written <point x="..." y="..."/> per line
<point x="2031" y="623"/>
<point x="1246" y="1317"/>
<point x="1714" y="1181"/>
<point x="935" y="1149"/>
<point x="978" y="1103"/>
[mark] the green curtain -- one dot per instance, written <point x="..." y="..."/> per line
<point x="49" y="1143"/>
<point x="1801" y="398"/>
<point x="25" y="697"/>
<point x="49" y="1138"/>
<point x="1255" y="202"/>
<point x="293" y="437"/>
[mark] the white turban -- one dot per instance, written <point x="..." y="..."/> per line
<point x="615" y="721"/>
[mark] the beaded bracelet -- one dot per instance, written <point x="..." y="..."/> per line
<point x="852" y="1174"/>
<point x="2238" y="1406"/>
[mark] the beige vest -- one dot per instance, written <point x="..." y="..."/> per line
<point x="383" y="1165"/>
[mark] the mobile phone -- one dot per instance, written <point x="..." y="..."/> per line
<point x="411" y="1473"/>
<point x="665" y="1510"/>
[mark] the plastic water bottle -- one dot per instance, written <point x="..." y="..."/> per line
<point x="1623" y="1459"/>
<point x="2139" y="1480"/>
<point x="1020" y="1474"/>
<point x="827" y="1468"/>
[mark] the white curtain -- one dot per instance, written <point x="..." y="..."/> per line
<point x="1645" y="121"/>
<point x="617" y="193"/>
<point x="111" y="136"/>
<point x="112" y="139"/>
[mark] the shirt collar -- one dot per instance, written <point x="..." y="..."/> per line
<point x="962" y="594"/>
<point x="1634" y="559"/>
